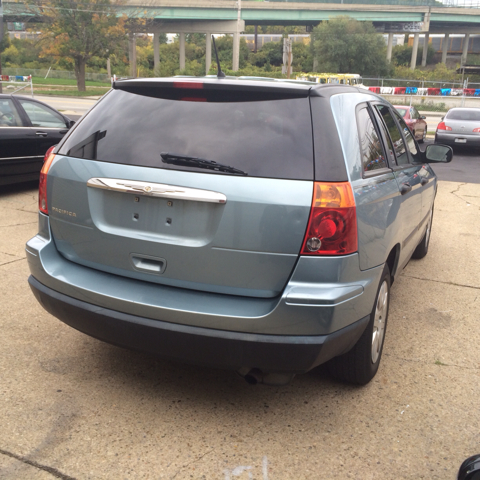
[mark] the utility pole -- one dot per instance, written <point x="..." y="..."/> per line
<point x="1" y="20"/>
<point x="1" y="38"/>
<point x="236" y="38"/>
<point x="287" y="57"/>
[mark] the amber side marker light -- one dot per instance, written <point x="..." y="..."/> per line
<point x="42" y="186"/>
<point x="332" y="227"/>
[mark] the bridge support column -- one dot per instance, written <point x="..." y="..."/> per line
<point x="156" y="53"/>
<point x="446" y="42"/>
<point x="182" y="50"/>
<point x="208" y="52"/>
<point x="389" y="47"/>
<point x="466" y="41"/>
<point x="425" y="49"/>
<point x="132" y="54"/>
<point x="201" y="26"/>
<point x="236" y="51"/>
<point x="413" y="62"/>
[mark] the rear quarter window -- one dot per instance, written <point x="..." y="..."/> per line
<point x="264" y="138"/>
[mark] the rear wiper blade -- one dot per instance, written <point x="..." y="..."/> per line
<point x="196" y="162"/>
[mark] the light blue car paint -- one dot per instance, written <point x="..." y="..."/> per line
<point x="228" y="273"/>
<point x="383" y="214"/>
<point x="322" y="296"/>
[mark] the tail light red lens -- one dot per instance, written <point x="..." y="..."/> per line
<point x="332" y="227"/>
<point x="193" y="99"/>
<point x="194" y="85"/>
<point x="476" y="130"/>
<point x="442" y="126"/>
<point x="42" y="186"/>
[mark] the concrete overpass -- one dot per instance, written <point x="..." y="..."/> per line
<point x="228" y="16"/>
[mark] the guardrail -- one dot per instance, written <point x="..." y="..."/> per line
<point x="435" y="92"/>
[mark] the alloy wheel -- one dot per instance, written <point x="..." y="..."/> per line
<point x="381" y="310"/>
<point x="429" y="228"/>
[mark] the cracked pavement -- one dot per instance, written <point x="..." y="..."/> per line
<point x="72" y="407"/>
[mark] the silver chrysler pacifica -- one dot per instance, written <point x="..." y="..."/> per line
<point x="236" y="223"/>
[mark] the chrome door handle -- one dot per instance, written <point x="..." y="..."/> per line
<point x="41" y="134"/>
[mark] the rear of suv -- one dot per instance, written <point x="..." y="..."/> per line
<point x="249" y="225"/>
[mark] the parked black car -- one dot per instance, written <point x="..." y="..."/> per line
<point x="28" y="128"/>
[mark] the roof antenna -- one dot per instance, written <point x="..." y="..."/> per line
<point x="220" y="74"/>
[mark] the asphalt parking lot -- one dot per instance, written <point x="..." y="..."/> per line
<point x="73" y="407"/>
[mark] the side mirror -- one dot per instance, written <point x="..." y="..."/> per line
<point x="470" y="469"/>
<point x="70" y="123"/>
<point x="422" y="117"/>
<point x="438" y="154"/>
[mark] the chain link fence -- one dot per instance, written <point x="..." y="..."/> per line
<point x="415" y="3"/>
<point x="402" y="82"/>
<point x="96" y="77"/>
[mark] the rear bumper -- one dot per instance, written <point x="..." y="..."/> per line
<point x="216" y="348"/>
<point x="321" y="313"/>
<point x="457" y="139"/>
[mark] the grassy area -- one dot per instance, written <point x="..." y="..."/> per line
<point x="66" y="81"/>
<point x="428" y="106"/>
<point x="72" y="92"/>
<point x="67" y="87"/>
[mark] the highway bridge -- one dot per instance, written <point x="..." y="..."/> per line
<point x="228" y="16"/>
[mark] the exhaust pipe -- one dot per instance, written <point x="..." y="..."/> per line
<point x="256" y="376"/>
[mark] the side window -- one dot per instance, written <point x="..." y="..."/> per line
<point x="411" y="146"/>
<point x="397" y="141"/>
<point x="413" y="113"/>
<point x="8" y="114"/>
<point x="373" y="157"/>
<point x="42" y="116"/>
<point x="383" y="128"/>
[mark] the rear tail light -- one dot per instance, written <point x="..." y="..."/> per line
<point x="42" y="187"/>
<point x="442" y="126"/>
<point x="476" y="130"/>
<point x="193" y="99"/>
<point x="332" y="227"/>
<point x="191" y="85"/>
<point x="194" y="85"/>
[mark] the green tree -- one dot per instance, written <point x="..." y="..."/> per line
<point x="345" y="45"/>
<point x="225" y="52"/>
<point x="4" y="44"/>
<point x="80" y="30"/>
<point x="271" y="53"/>
<point x="402" y="54"/>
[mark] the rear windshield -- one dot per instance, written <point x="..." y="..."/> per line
<point x="401" y="111"/>
<point x="263" y="138"/>
<point x="464" y="115"/>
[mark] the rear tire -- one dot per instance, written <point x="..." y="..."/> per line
<point x="424" y="136"/>
<point x="361" y="363"/>
<point x="422" y="248"/>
